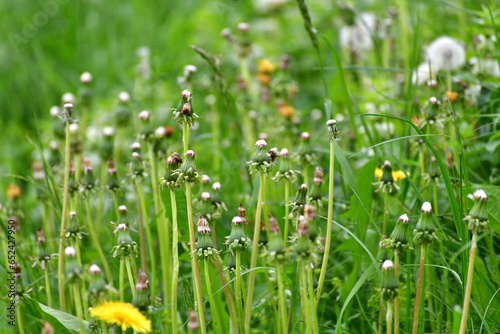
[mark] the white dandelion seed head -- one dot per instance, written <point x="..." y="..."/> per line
<point x="144" y="115"/>
<point x="433" y="100"/>
<point x="135" y="146"/>
<point x="205" y="179"/>
<point x="205" y="196"/>
<point x="72" y="214"/>
<point x="387" y="264"/>
<point x="108" y="131"/>
<point x="190" y="69"/>
<point x="122" y="208"/>
<point x="55" y="111"/>
<point x="265" y="6"/>
<point x="68" y="98"/>
<point x="480" y="194"/>
<point x="124" y="97"/>
<point x="95" y="269"/>
<point x="404" y="218"/>
<point x="426" y="207"/>
<point x="86" y="77"/>
<point x="161" y="131"/>
<point x="136" y="155"/>
<point x="359" y="37"/>
<point x="70" y="251"/>
<point x="284" y="153"/>
<point x="446" y="53"/>
<point x="73" y="128"/>
<point x="422" y="75"/>
<point x="305" y="135"/>
<point x="261" y="143"/>
<point x="331" y="122"/>
<point x="216" y="186"/>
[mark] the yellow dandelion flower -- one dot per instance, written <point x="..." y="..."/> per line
<point x="264" y="79"/>
<point x="13" y="191"/>
<point x="265" y="66"/>
<point x="122" y="315"/>
<point x="396" y="174"/>
<point x="286" y="110"/>
<point x="452" y="96"/>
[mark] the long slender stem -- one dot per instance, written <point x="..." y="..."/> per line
<point x="396" y="300"/>
<point x="175" y="259"/>
<point x="419" y="288"/>
<point x="253" y="259"/>
<point x="386" y="208"/>
<point x="150" y="240"/>
<point x="194" y="262"/>
<point x="213" y="306"/>
<point x="237" y="292"/>
<point x="329" y="223"/>
<point x="47" y="287"/>
<point x="78" y="302"/>
<point x="130" y="276"/>
<point x="142" y="238"/>
<point x="85" y="301"/>
<point x="388" y="317"/>
<point x="287" y="211"/>
<point x="162" y="224"/>
<point x="468" y="287"/>
<point x="19" y="320"/>
<point x="311" y="297"/>
<point x="62" y="235"/>
<point x="185" y="137"/>
<point x="282" y="305"/>
<point x="305" y="296"/>
<point x="122" y="280"/>
<point x="96" y="243"/>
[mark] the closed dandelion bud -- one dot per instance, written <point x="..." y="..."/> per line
<point x="185" y="112"/>
<point x="136" y="147"/>
<point x="123" y="113"/>
<point x="112" y="181"/>
<point x="263" y="234"/>
<point x="16" y="268"/>
<point x="273" y="154"/>
<point x="122" y="216"/>
<point x="205" y="183"/>
<point x="73" y="230"/>
<point x="192" y="324"/>
<point x="137" y="165"/>
<point x="316" y="193"/>
<point x="43" y="253"/>
<point x="204" y="245"/>
<point x="58" y="127"/>
<point x="300" y="200"/>
<point x="188" y="170"/>
<point x="174" y="162"/>
<point x="285" y="171"/>
<point x="88" y="175"/>
<point x="310" y="215"/>
<point x="303" y="247"/>
<point x="261" y="160"/>
<point x="387" y="182"/>
<point x="424" y="231"/>
<point x="107" y="143"/>
<point x="306" y="153"/>
<point x="399" y="236"/>
<point x="125" y="245"/>
<point x="141" y="299"/>
<point x="147" y="130"/>
<point x="217" y="195"/>
<point x="478" y="215"/>
<point x="333" y="133"/>
<point x="85" y="90"/>
<point x="67" y="113"/>
<point x="244" y="46"/>
<point x="97" y="286"/>
<point x="230" y="262"/>
<point x="206" y="205"/>
<point x="389" y="283"/>
<point x="73" y="270"/>
<point x="276" y="248"/>
<point x="238" y="240"/>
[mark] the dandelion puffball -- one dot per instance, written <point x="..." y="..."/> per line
<point x="446" y="53"/>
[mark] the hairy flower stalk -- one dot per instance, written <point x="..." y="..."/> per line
<point x="174" y="162"/>
<point x="389" y="290"/>
<point x="477" y="220"/>
<point x="66" y="118"/>
<point x="205" y="249"/>
<point x="276" y="250"/>
<point x="43" y="258"/>
<point x="261" y="163"/>
<point x="423" y="235"/>
<point x="333" y="135"/>
<point x="188" y="175"/>
<point x="125" y="249"/>
<point x="74" y="275"/>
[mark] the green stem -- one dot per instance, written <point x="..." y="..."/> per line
<point x="468" y="287"/>
<point x="163" y="230"/>
<point x="396" y="300"/>
<point x="19" y="320"/>
<point x="329" y="223"/>
<point x="421" y="155"/>
<point x="311" y="297"/>
<point x="79" y="313"/>
<point x="213" y="306"/>
<point x="388" y="317"/>
<point x="62" y="235"/>
<point x="287" y="211"/>
<point x="194" y="262"/>
<point x="175" y="256"/>
<point x="305" y="298"/>
<point x="150" y="240"/>
<point x="97" y="245"/>
<point x="121" y="280"/>
<point x="215" y="122"/>
<point x="117" y="207"/>
<point x="47" y="287"/>
<point x="237" y="292"/>
<point x="282" y="306"/>
<point x="434" y="194"/>
<point x="386" y="208"/>
<point x="253" y="259"/>
<point x="418" y="293"/>
<point x="85" y="301"/>
<point x="130" y="276"/>
<point x="185" y="137"/>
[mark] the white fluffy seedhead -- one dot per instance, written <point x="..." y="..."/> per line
<point x="95" y="269"/>
<point x="73" y="128"/>
<point x="305" y="135"/>
<point x="122" y="208"/>
<point x="55" y="111"/>
<point x="68" y="98"/>
<point x="86" y="77"/>
<point x="216" y="186"/>
<point x="136" y="155"/>
<point x="426" y="207"/>
<point x="404" y="218"/>
<point x="108" y="131"/>
<point x="144" y="115"/>
<point x="387" y="264"/>
<point x="160" y="131"/>
<point x="135" y="146"/>
<point x="480" y="194"/>
<point x="205" y="196"/>
<point x="331" y="122"/>
<point x="124" y="97"/>
<point x="70" y="251"/>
